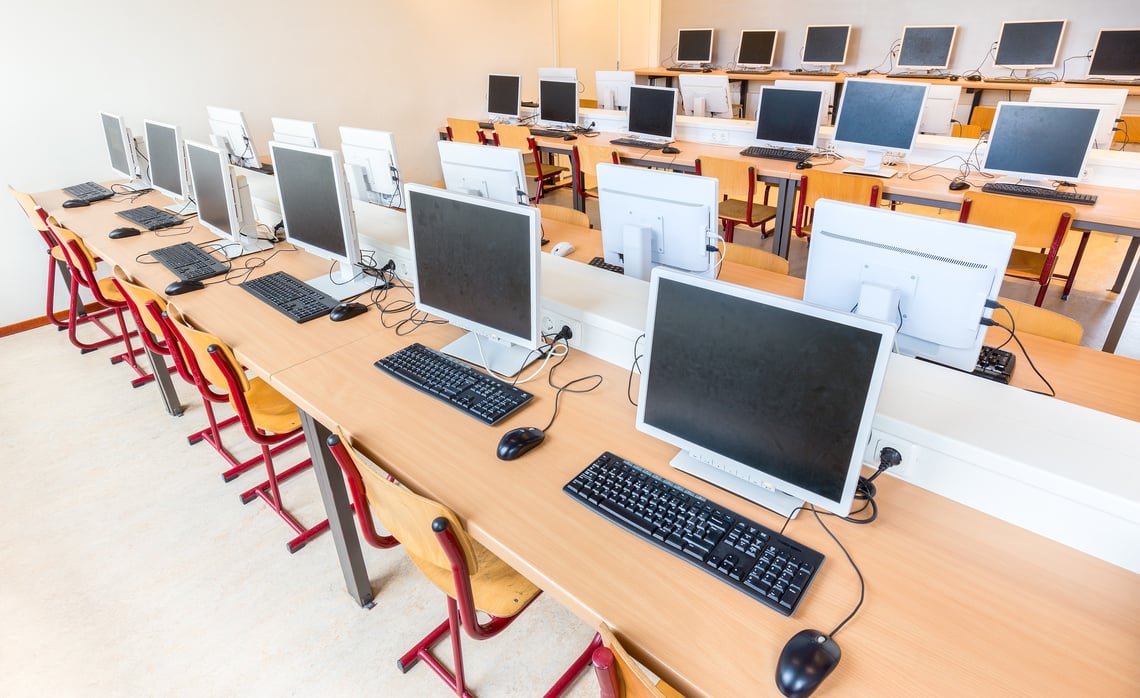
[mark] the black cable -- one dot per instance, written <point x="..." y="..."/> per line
<point x="1052" y="392"/>
<point x="565" y="388"/>
<point x="862" y="582"/>
<point x="632" y="368"/>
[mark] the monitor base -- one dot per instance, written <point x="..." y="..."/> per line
<point x="182" y="208"/>
<point x="780" y="502"/>
<point x="502" y="359"/>
<point x="871" y="172"/>
<point x="343" y="289"/>
<point x="249" y="245"/>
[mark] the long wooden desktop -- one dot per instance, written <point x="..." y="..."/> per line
<point x="957" y="602"/>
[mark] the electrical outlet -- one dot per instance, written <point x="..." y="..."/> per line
<point x="719" y="136"/>
<point x="880" y="440"/>
<point x="551" y="322"/>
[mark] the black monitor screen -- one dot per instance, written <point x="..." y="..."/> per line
<point x="757" y="47"/>
<point x="788" y="116"/>
<point x="694" y="45"/>
<point x="209" y="189"/>
<point x="1029" y="43"/>
<point x="651" y="111"/>
<point x="557" y="101"/>
<point x="791" y="402"/>
<point x="309" y="202"/>
<point x="473" y="261"/>
<point x="1045" y="141"/>
<point x="880" y="113"/>
<point x="826" y="45"/>
<point x="113" y="132"/>
<point x="926" y="47"/>
<point x="1117" y="53"/>
<point x="503" y="94"/>
<point x="165" y="165"/>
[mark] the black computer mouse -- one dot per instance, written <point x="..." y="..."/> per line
<point x="123" y="233"/>
<point x="959" y="185"/>
<point x="518" y="441"/>
<point x="75" y="203"/>
<point x="347" y="311"/>
<point x="805" y="662"/>
<point x="670" y="150"/>
<point x="179" y="287"/>
<point x="804" y="165"/>
<point x="952" y="78"/>
<point x="974" y="78"/>
<point x="569" y="137"/>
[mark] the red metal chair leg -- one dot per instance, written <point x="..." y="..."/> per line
<point x="51" y="272"/>
<point x="574" y="670"/>
<point x="1072" y="276"/>
<point x="422" y="651"/>
<point x="270" y="493"/>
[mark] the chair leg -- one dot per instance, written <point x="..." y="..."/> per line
<point x="270" y="493"/>
<point x="729" y="229"/>
<point x="1041" y="294"/>
<point x="212" y="435"/>
<point x="422" y="650"/>
<point x="51" y="272"/>
<point x="130" y="352"/>
<point x="74" y="319"/>
<point x="574" y="670"/>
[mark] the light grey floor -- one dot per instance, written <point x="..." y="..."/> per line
<point x="128" y="568"/>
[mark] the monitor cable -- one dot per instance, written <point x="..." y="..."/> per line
<point x="990" y="322"/>
<point x="595" y="379"/>
<point x="635" y="367"/>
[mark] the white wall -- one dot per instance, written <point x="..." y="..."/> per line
<point x="878" y="23"/>
<point x="397" y="66"/>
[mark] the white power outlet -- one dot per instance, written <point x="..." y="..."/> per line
<point x="719" y="136"/>
<point x="880" y="440"/>
<point x="551" y="322"/>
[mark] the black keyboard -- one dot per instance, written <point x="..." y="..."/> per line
<point x="296" y="299"/>
<point x="150" y="217"/>
<point x="690" y="69"/>
<point x="89" y="191"/>
<point x="1027" y="81"/>
<point x="1094" y="81"/>
<point x="189" y="262"/>
<point x="547" y="132"/>
<point x="756" y="151"/>
<point x="1069" y="197"/>
<point x="756" y="560"/>
<point x="601" y="263"/>
<point x="825" y="73"/>
<point x="753" y="71"/>
<point x="995" y="364"/>
<point x="469" y="390"/>
<point x="639" y="143"/>
<point x="924" y="76"/>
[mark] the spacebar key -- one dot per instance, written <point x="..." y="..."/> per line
<point x="630" y="518"/>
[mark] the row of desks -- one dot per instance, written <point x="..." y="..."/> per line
<point x="958" y="602"/>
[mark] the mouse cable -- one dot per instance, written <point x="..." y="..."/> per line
<point x="567" y="387"/>
<point x="1052" y="392"/>
<point x="634" y="367"/>
<point x="544" y="353"/>
<point x="862" y="582"/>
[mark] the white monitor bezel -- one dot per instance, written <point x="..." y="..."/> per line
<point x="1112" y="76"/>
<point x="1034" y="176"/>
<point x="125" y="138"/>
<point x="224" y="123"/>
<point x="672" y="120"/>
<point x="712" y="45"/>
<point x="550" y="122"/>
<point x="846" y="44"/>
<point x="228" y="187"/>
<point x="180" y="157"/>
<point x="949" y="52"/>
<point x="518" y="96"/>
<point x="822" y="115"/>
<point x="1031" y="66"/>
<point x="903" y="84"/>
<point x="771" y="59"/>
<point x="295" y="132"/>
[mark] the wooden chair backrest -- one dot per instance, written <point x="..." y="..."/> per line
<point x="1040" y="322"/>
<point x="983" y="117"/>
<point x="513" y="136"/>
<point x="564" y="214"/>
<point x="78" y="255"/>
<point x="733" y="176"/>
<point x="137" y="297"/>
<point x="971" y="131"/>
<point x="633" y="682"/>
<point x="28" y="204"/>
<point x="198" y="343"/>
<point x="744" y="254"/>
<point x="856" y="189"/>
<point x="589" y="157"/>
<point x="464" y="130"/>
<point x="1129" y="131"/>
<point x="1035" y="222"/>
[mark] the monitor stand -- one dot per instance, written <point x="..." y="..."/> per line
<point x="503" y="359"/>
<point x="766" y="496"/>
<point x="250" y="244"/>
<point x="1035" y="183"/>
<point x="872" y="166"/>
<point x="343" y="283"/>
<point x="182" y="207"/>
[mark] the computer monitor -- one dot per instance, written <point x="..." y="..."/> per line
<point x="757" y="49"/>
<point x="224" y="204"/>
<point x="1116" y="55"/>
<point x="485" y="171"/>
<point x="1029" y="44"/>
<point x="939" y="110"/>
<point x="317" y="213"/>
<point x="826" y="44"/>
<point x="827" y="87"/>
<point x="120" y="144"/>
<point x="934" y="279"/>
<point x="927" y="47"/>
<point x="503" y="99"/>
<point x="881" y="116"/>
<point x="768" y="397"/>
<point x="558" y="74"/>
<point x="705" y="95"/>
<point x="1037" y="143"/>
<point x="789" y="118"/>
<point x="295" y="132"/>
<point x="371" y="165"/>
<point x="477" y="266"/>
<point x="229" y="131"/>
<point x="652" y="112"/>
<point x="653" y="217"/>
<point x="167" y="158"/>
<point x="612" y="87"/>
<point x="1109" y="100"/>
<point x="558" y="103"/>
<point x="694" y="46"/>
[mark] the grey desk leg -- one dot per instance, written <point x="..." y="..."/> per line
<point x="1123" y="311"/>
<point x="1126" y="265"/>
<point x="785" y="209"/>
<point x="342" y="528"/>
<point x="165" y="386"/>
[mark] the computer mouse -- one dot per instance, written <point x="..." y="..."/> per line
<point x="974" y="78"/>
<point x="347" y="311"/>
<point x="670" y="150"/>
<point x="952" y="78"/>
<point x="179" y="287"/>
<point x="805" y="662"/>
<point x="569" y="137"/>
<point x="516" y="442"/>
<point x="562" y="249"/>
<point x="118" y="233"/>
<point x="959" y="185"/>
<point x="804" y="165"/>
<point x="75" y="203"/>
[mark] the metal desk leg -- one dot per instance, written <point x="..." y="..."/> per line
<point x="1129" y="258"/>
<point x="165" y="386"/>
<point x="785" y="209"/>
<point x="1123" y="311"/>
<point x="342" y="528"/>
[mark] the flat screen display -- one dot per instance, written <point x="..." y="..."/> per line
<point x="307" y="184"/>
<point x="826" y="44"/>
<point x="880" y="113"/>
<point x="558" y="102"/>
<point x="788" y="117"/>
<point x="1037" y="140"/>
<point x="651" y="110"/>
<point x="503" y="95"/>
<point x="694" y="45"/>
<point x="757" y="47"/>
<point x="926" y="47"/>
<point x="1117" y="54"/>
<point x="1029" y="44"/>
<point x="162" y="149"/>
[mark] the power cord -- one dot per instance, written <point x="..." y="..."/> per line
<point x="564" y="335"/>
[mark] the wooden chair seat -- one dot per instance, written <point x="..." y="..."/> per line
<point x="546" y="176"/>
<point x="737" y="186"/>
<point x="585" y="158"/>
<point x="856" y="189"/>
<point x="737" y="211"/>
<point x="564" y="214"/>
